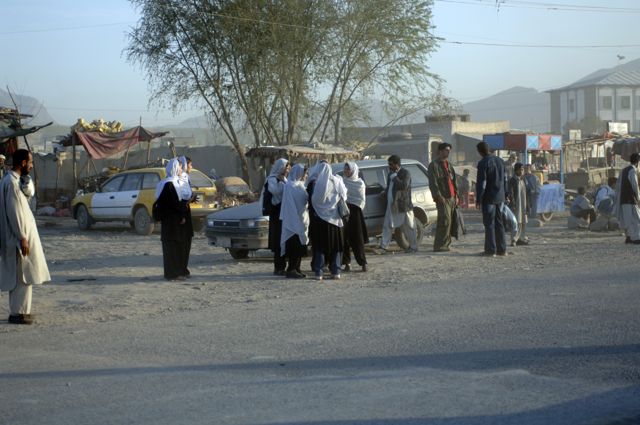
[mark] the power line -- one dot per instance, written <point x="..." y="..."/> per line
<point x="542" y="6"/>
<point x="79" y="27"/>
<point x="550" y="46"/>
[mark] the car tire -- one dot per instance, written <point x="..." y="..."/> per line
<point x="198" y="224"/>
<point x="238" y="254"/>
<point x="143" y="223"/>
<point x="402" y="241"/>
<point x="83" y="218"/>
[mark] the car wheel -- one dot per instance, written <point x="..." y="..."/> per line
<point x="400" y="238"/>
<point x="142" y="222"/>
<point x="546" y="216"/>
<point x="239" y="254"/>
<point x="198" y="224"/>
<point x="83" y="218"/>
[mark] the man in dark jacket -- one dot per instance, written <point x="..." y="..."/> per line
<point x="442" y="182"/>
<point x="490" y="195"/>
<point x="399" y="210"/>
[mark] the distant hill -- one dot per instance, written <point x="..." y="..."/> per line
<point x="525" y="107"/>
<point x="27" y="105"/>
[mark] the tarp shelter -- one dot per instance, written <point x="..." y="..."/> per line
<point x="103" y="145"/>
<point x="625" y="146"/>
<point x="522" y="142"/>
<point x="99" y="145"/>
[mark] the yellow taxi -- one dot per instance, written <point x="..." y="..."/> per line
<point x="128" y="196"/>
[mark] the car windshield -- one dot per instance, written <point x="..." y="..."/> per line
<point x="198" y="179"/>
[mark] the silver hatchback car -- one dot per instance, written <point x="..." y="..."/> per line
<point x="243" y="229"/>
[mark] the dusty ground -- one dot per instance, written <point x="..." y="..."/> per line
<point x="548" y="335"/>
<point x="111" y="273"/>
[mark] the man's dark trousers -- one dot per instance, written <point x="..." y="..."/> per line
<point x="495" y="241"/>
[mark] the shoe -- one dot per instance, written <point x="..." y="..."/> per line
<point x="187" y="273"/>
<point x="302" y="274"/>
<point x="487" y="254"/>
<point x="627" y="240"/>
<point x="411" y="251"/>
<point x="381" y="251"/>
<point x="337" y="276"/>
<point x="443" y="249"/>
<point x="513" y="243"/>
<point x="521" y="242"/>
<point x="318" y="277"/>
<point x="279" y="272"/>
<point x="294" y="274"/>
<point x="636" y="242"/>
<point x="502" y="254"/>
<point x="346" y="268"/>
<point x="21" y="319"/>
<point x="365" y="268"/>
<point x="176" y="278"/>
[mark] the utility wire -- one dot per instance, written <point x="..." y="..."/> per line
<point x="542" y="6"/>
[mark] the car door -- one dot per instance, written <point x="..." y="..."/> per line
<point x="127" y="196"/>
<point x="375" y="179"/>
<point x="103" y="202"/>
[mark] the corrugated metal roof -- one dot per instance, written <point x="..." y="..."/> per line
<point x="617" y="78"/>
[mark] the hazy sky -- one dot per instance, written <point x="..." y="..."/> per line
<point x="69" y="54"/>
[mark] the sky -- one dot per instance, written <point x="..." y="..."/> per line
<point x="69" y="54"/>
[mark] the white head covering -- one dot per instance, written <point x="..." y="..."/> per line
<point x="173" y="173"/>
<point x="327" y="192"/>
<point x="185" y="192"/>
<point x="294" y="213"/>
<point x="313" y="171"/>
<point x="278" y="167"/>
<point x="355" y="186"/>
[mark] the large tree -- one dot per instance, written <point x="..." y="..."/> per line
<point x="286" y="70"/>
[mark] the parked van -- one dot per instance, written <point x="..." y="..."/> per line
<point x="243" y="229"/>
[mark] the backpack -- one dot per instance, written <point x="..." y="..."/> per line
<point x="267" y="206"/>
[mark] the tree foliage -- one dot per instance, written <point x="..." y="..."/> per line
<point x="285" y="70"/>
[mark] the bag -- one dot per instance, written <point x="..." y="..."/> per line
<point x="509" y="219"/>
<point x="343" y="209"/>
<point x="267" y="206"/>
<point x="458" y="228"/>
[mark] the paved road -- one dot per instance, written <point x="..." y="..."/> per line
<point x="561" y="346"/>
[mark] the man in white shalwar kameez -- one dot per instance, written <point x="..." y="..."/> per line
<point x="22" y="261"/>
<point x="399" y="211"/>
<point x="627" y="196"/>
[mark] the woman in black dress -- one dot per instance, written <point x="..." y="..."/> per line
<point x="355" y="229"/>
<point x="175" y="228"/>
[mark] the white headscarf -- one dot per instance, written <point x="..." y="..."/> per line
<point x="313" y="171"/>
<point x="185" y="192"/>
<point x="294" y="213"/>
<point x="173" y="174"/>
<point x="278" y="167"/>
<point x="326" y="193"/>
<point x="355" y="186"/>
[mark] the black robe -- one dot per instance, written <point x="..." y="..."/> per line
<point x="176" y="237"/>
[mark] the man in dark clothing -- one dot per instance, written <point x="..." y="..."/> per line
<point x="442" y="182"/>
<point x="627" y="200"/>
<point x="490" y="194"/>
<point x="533" y="191"/>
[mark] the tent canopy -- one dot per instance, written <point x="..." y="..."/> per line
<point x="522" y="141"/>
<point x="103" y="145"/>
<point x="303" y="151"/>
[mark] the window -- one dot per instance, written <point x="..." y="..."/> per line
<point x="113" y="185"/>
<point x="150" y="181"/>
<point x="198" y="179"/>
<point x="418" y="176"/>
<point x="625" y="102"/>
<point x="374" y="178"/>
<point x="572" y="106"/>
<point x="131" y="182"/>
<point x="606" y="103"/>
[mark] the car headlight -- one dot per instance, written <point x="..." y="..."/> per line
<point x="209" y="222"/>
<point x="254" y="222"/>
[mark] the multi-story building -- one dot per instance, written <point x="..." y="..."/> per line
<point x="606" y="96"/>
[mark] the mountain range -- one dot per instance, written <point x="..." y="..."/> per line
<point x="525" y="107"/>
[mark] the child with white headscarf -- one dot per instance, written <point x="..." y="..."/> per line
<point x="176" y="229"/>
<point x="355" y="229"/>
<point x="295" y="221"/>
<point x="327" y="192"/>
